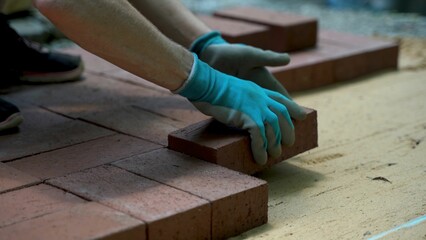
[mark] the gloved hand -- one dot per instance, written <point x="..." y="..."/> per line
<point x="243" y="104"/>
<point x="240" y="60"/>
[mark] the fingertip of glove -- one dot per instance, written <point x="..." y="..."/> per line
<point x="300" y="114"/>
<point x="261" y="158"/>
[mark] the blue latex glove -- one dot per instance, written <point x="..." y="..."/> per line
<point x="242" y="104"/>
<point x="240" y="60"/>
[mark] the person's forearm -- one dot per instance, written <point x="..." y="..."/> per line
<point x="117" y="32"/>
<point x="173" y="19"/>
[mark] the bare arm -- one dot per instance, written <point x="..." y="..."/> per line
<point x="117" y="32"/>
<point x="173" y="19"/>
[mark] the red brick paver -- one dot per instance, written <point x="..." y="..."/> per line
<point x="28" y="203"/>
<point x="238" y="201"/>
<point x="117" y="105"/>
<point x="214" y="142"/>
<point x="289" y="32"/>
<point x="82" y="156"/>
<point x="11" y="178"/>
<point x="169" y="213"/>
<point x="369" y="54"/>
<point x="335" y="60"/>
<point x="308" y="69"/>
<point x="43" y="131"/>
<point x="235" y="31"/>
<point x="83" y="221"/>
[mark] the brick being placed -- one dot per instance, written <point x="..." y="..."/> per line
<point x="229" y="147"/>
<point x="289" y="32"/>
<point x="235" y="31"/>
<point x="169" y="213"/>
<point x="238" y="201"/>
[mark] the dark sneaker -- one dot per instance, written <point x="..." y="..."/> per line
<point x="38" y="64"/>
<point x="10" y="117"/>
<point x="34" y="63"/>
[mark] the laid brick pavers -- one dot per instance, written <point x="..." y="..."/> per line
<point x="235" y="31"/>
<point x="84" y="221"/>
<point x="168" y="212"/>
<point x="238" y="201"/>
<point x="308" y="69"/>
<point x="32" y="202"/>
<point x="11" y="178"/>
<point x="43" y="131"/>
<point x="123" y="107"/>
<point x="290" y="32"/>
<point x="82" y="156"/>
<point x="135" y="121"/>
<point x="334" y="60"/>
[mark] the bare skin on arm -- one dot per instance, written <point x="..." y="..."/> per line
<point x="117" y="32"/>
<point x="173" y="19"/>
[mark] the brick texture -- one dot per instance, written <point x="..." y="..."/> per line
<point x="289" y="32"/>
<point x="132" y="109"/>
<point x="238" y="201"/>
<point x="83" y="221"/>
<point x="367" y="54"/>
<point x="11" y="178"/>
<point x="216" y="143"/>
<point x="336" y="60"/>
<point x="235" y="31"/>
<point x="82" y="156"/>
<point x="168" y="212"/>
<point x="43" y="131"/>
<point x="308" y="69"/>
<point x="27" y="203"/>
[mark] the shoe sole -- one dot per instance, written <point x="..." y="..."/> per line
<point x="12" y="121"/>
<point x="56" y="77"/>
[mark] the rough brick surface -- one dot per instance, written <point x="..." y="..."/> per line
<point x="169" y="213"/>
<point x="307" y="69"/>
<point x="239" y="202"/>
<point x="235" y="31"/>
<point x="82" y="156"/>
<point x="369" y="54"/>
<point x="43" y="131"/>
<point x="289" y="32"/>
<point x="335" y="60"/>
<point x="11" y="178"/>
<point x="83" y="221"/>
<point x="131" y="109"/>
<point x="216" y="143"/>
<point x="28" y="203"/>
